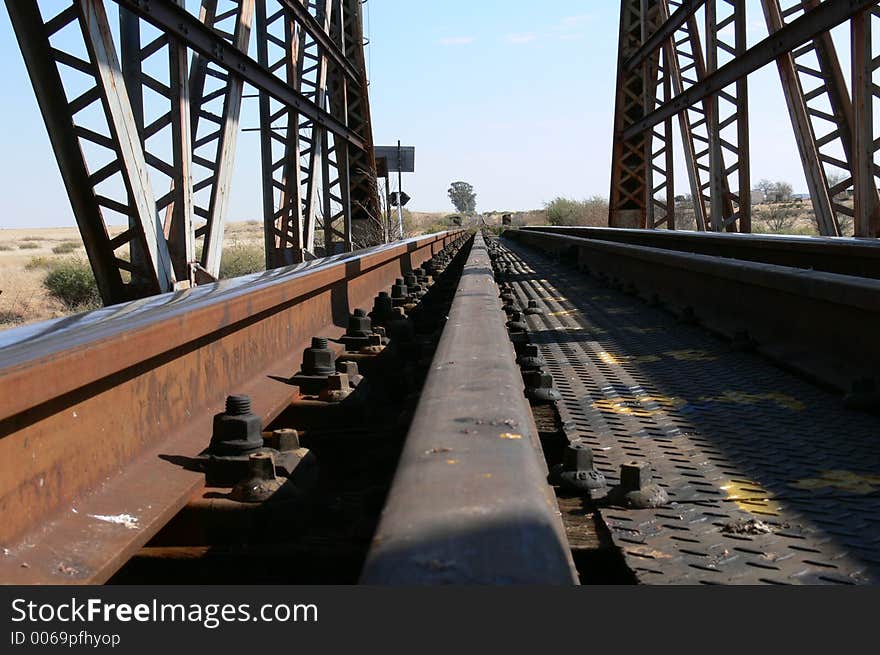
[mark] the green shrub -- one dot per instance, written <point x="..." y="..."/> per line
<point x="65" y="247"/>
<point x="71" y="281"/>
<point x="241" y="259"/>
<point x="7" y="316"/>
<point x="28" y="245"/>
<point x="39" y="262"/>
<point x="566" y="212"/>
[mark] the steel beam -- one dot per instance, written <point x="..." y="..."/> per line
<point x="215" y="124"/>
<point x="821" y="19"/>
<point x="179" y="23"/>
<point x="656" y="38"/>
<point x="148" y="269"/>
<point x="865" y="204"/>
<point x="629" y="187"/>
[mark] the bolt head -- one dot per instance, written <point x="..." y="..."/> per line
<point x="287" y="439"/>
<point x="635" y="475"/>
<point x="337" y="382"/>
<point x="578" y="457"/>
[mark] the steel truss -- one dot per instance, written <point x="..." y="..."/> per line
<point x="148" y="131"/>
<point x="661" y="48"/>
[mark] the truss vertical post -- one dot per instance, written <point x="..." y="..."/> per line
<point x="727" y="208"/>
<point x="361" y="192"/>
<point x="214" y="146"/>
<point x="283" y="221"/>
<point x="684" y="53"/>
<point x="178" y="202"/>
<point x="629" y="187"/>
<point x="865" y="206"/>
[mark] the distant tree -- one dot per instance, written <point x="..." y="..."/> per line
<point x="463" y="197"/>
<point x="781" y="191"/>
<point x="765" y="186"/>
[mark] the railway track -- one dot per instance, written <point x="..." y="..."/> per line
<point x="769" y="478"/>
<point x="545" y="408"/>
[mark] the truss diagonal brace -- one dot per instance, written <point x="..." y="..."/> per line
<point x="822" y="19"/>
<point x="177" y="22"/>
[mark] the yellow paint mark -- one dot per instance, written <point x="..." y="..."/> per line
<point x="751" y="497"/>
<point x="643" y="359"/>
<point x="555" y="299"/>
<point x="648" y="553"/>
<point x="857" y="483"/>
<point x="452" y="461"/>
<point x="510" y="435"/>
<point x="691" y="355"/>
<point x="741" y="398"/>
<point x="634" y="406"/>
<point x="609" y="359"/>
<point x="487" y="475"/>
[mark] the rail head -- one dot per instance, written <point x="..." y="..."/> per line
<point x="470" y="503"/>
<point x="846" y="256"/>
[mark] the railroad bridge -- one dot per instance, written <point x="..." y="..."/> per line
<point x="630" y="404"/>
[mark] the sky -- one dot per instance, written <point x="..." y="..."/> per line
<point x="514" y="96"/>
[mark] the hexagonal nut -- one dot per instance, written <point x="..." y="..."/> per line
<point x="359" y="325"/>
<point x="244" y="427"/>
<point x="318" y="362"/>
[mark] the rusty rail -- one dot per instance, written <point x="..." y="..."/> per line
<point x="97" y="410"/>
<point x="846" y="256"/>
<point x="470" y="503"/>
<point x="817" y="323"/>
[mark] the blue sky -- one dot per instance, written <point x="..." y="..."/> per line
<point x="514" y="96"/>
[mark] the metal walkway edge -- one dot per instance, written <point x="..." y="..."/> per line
<point x="771" y="479"/>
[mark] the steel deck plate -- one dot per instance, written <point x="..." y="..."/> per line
<point x="771" y="479"/>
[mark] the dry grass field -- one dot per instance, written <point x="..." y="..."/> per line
<point x="23" y="299"/>
<point x="27" y="255"/>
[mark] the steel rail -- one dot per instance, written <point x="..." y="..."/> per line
<point x="846" y="256"/>
<point x="470" y="503"/>
<point x="823" y="325"/>
<point x="98" y="412"/>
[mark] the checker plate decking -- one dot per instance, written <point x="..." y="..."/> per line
<point x="741" y="446"/>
